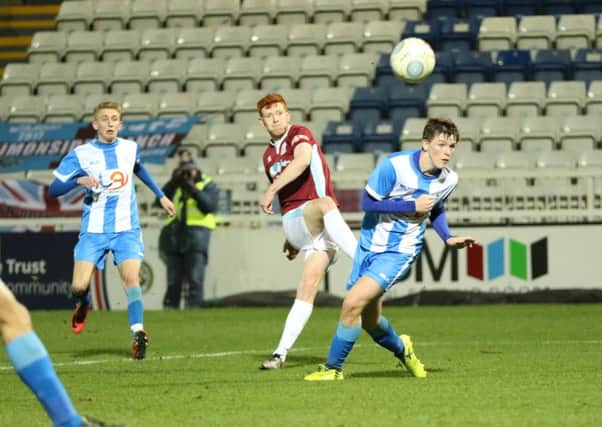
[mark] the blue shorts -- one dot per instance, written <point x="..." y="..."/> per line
<point x="386" y="268"/>
<point x="94" y="247"/>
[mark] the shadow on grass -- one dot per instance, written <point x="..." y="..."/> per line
<point x="91" y="352"/>
<point x="293" y="360"/>
<point x="392" y="373"/>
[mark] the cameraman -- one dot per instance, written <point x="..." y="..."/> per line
<point x="185" y="238"/>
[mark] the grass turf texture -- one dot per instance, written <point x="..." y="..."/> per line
<point x="504" y="365"/>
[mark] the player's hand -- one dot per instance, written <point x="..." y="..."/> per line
<point x="267" y="201"/>
<point x="290" y="251"/>
<point x="88" y="181"/>
<point x="460" y="242"/>
<point x="168" y="206"/>
<point x="424" y="204"/>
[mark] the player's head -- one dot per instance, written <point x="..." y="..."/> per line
<point x="107" y="120"/>
<point x="439" y="139"/>
<point x="274" y="114"/>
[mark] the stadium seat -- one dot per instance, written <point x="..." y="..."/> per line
<point x="26" y="109"/>
<point x="472" y="66"/>
<point x="19" y="79"/>
<point x="447" y="100"/>
<point x="499" y="134"/>
<point x="552" y="64"/>
<point x="561" y="160"/>
<point x="244" y="110"/>
<point x="196" y="136"/>
<point x="56" y="78"/>
<point x="215" y="106"/>
<point x="306" y="39"/>
<point x="575" y="31"/>
<point x="497" y="33"/>
<point x="223" y="140"/>
<point x="444" y="10"/>
<point x="63" y="108"/>
<point x="411" y="133"/>
<point x="514" y="160"/>
<point x="183" y="13"/>
<point x="257" y="12"/>
<point x="47" y="46"/>
<point x="536" y="32"/>
<point x="242" y="73"/>
<point x="329" y="11"/>
<point x="280" y="72"/>
<point x="130" y="77"/>
<point x="268" y="40"/>
<point x="381" y="36"/>
<point x="293" y="12"/>
<point x="229" y="42"/>
<point x="405" y="101"/>
<point x="407" y="10"/>
<point x="238" y="166"/>
<point x="587" y="65"/>
<point x="486" y="100"/>
<point x="512" y="66"/>
<point x="351" y="171"/>
<point x="368" y="10"/>
<point x="255" y="137"/>
<point x="84" y="46"/>
<point x="538" y="133"/>
<point x="110" y="15"/>
<point x="521" y="7"/>
<point x="579" y="133"/>
<point x="330" y="104"/>
<point x="204" y="74"/>
<point x="145" y="14"/>
<point x="92" y="77"/>
<point x="167" y="75"/>
<point x="193" y="42"/>
<point x="525" y="99"/>
<point x="589" y="159"/>
<point x="593" y="103"/>
<point x="368" y="104"/>
<point x="482" y="8"/>
<point x="74" y="15"/>
<point x="599" y="34"/>
<point x="140" y="106"/>
<point x="558" y="7"/>
<point x="356" y="69"/>
<point x="93" y="99"/>
<point x="429" y="31"/>
<point x="157" y="43"/>
<point x="177" y="104"/>
<point x="469" y="134"/>
<point x="121" y="45"/>
<point x="343" y="37"/>
<point x="318" y="71"/>
<point x="341" y="137"/>
<point x="298" y="102"/>
<point x="565" y="98"/>
<point x="459" y="34"/>
<point x="380" y="137"/>
<point x="475" y="161"/>
<point x="220" y="12"/>
<point x="445" y="69"/>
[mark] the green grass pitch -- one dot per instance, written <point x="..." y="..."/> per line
<point x="502" y="365"/>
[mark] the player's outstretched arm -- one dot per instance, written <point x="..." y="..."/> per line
<point x="168" y="206"/>
<point x="460" y="242"/>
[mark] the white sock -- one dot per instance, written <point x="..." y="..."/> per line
<point x="295" y="322"/>
<point x="339" y="231"/>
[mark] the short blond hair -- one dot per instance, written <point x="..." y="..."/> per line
<point x="108" y="105"/>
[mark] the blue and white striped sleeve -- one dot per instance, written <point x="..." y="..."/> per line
<point x="382" y="180"/>
<point x="68" y="168"/>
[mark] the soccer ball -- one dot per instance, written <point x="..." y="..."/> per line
<point x="412" y="60"/>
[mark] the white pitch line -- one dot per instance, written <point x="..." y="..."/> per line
<point x="242" y="352"/>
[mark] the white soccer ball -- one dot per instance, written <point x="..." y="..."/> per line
<point x="412" y="60"/>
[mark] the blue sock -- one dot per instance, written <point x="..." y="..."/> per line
<point x="83" y="298"/>
<point x="135" y="306"/>
<point x="342" y="343"/>
<point x="385" y="336"/>
<point x="30" y="359"/>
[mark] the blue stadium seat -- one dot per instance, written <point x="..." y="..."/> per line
<point x="522" y="7"/>
<point x="552" y="64"/>
<point x="444" y="9"/>
<point x="459" y="34"/>
<point x="426" y="30"/>
<point x="473" y="66"/>
<point x="512" y="66"/>
<point x="587" y="64"/>
<point x="591" y="6"/>
<point x="560" y="7"/>
<point x="383" y="76"/>
<point x="380" y="136"/>
<point x="444" y="68"/>
<point x="407" y="100"/>
<point x="482" y="8"/>
<point x="341" y="137"/>
<point x="368" y="104"/>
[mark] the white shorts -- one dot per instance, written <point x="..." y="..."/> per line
<point x="296" y="232"/>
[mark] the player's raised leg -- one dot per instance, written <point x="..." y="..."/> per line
<point x="82" y="273"/>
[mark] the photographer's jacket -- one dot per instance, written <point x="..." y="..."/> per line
<point x="200" y="197"/>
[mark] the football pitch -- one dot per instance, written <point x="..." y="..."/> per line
<point x="500" y="365"/>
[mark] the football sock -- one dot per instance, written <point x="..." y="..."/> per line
<point x="82" y="297"/>
<point x="30" y="359"/>
<point x="295" y="322"/>
<point x="342" y="343"/>
<point x="339" y="232"/>
<point x="385" y="336"/>
<point x="135" y="308"/>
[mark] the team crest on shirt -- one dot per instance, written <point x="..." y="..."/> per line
<point x="278" y="167"/>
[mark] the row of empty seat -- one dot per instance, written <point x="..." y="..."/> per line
<point x="120" y="14"/>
